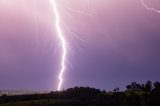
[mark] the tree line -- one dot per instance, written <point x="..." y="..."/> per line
<point x="136" y="94"/>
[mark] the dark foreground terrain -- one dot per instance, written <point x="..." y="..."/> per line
<point x="135" y="95"/>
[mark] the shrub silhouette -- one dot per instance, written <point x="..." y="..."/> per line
<point x="147" y="94"/>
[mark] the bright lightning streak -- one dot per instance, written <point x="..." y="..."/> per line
<point x="63" y="42"/>
<point x="149" y="8"/>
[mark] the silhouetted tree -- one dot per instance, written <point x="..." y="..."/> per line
<point x="128" y="87"/>
<point x="156" y="89"/>
<point x="116" y="89"/>
<point x="148" y="86"/>
<point x="134" y="86"/>
<point x="157" y="85"/>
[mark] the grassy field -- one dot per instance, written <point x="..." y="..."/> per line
<point x="41" y="103"/>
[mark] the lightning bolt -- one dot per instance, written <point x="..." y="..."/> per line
<point x="149" y="8"/>
<point x="63" y="42"/>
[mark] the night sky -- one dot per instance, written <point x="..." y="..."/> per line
<point x="120" y="44"/>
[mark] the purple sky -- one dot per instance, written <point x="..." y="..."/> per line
<point x="121" y="44"/>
